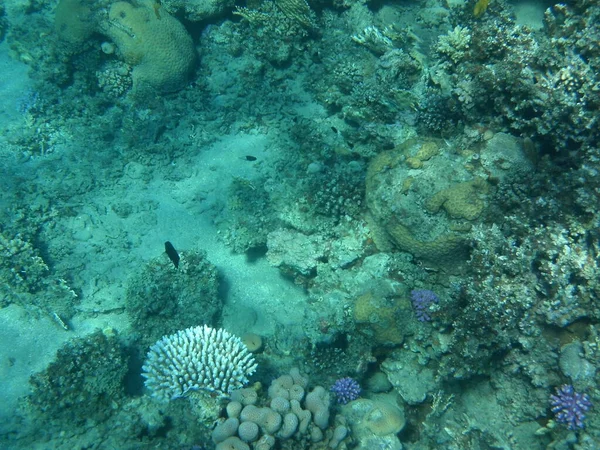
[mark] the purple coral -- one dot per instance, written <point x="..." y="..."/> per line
<point x="422" y="299"/>
<point x="569" y="406"/>
<point x="346" y="389"/>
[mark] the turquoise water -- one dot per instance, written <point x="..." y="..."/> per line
<point x="382" y="224"/>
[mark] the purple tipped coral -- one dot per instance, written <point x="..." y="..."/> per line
<point x="422" y="299"/>
<point x="569" y="406"/>
<point x="346" y="389"/>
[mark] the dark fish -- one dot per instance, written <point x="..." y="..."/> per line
<point x="172" y="254"/>
<point x="250" y="158"/>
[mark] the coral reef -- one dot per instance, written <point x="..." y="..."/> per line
<point x="197" y="360"/>
<point x="292" y="416"/>
<point x="197" y="10"/>
<point x="27" y="275"/>
<point x="84" y="382"/>
<point x="570" y="407"/>
<point x="346" y="389"/>
<point x="161" y="299"/>
<point x="447" y="150"/>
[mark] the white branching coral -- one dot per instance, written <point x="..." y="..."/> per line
<point x="197" y="359"/>
<point x="374" y="39"/>
<point x="455" y="44"/>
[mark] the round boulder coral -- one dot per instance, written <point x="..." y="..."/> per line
<point x="156" y="44"/>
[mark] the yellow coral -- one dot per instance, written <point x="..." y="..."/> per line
<point x="414" y="163"/>
<point x="426" y="151"/>
<point x="447" y="248"/>
<point x="297" y="10"/>
<point x="154" y="43"/>
<point x="377" y="319"/>
<point x="461" y="200"/>
<point x="443" y="250"/>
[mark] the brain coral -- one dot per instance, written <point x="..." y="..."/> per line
<point x="154" y="43"/>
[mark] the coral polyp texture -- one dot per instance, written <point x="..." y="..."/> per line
<point x="346" y="389"/>
<point x="154" y="43"/>
<point x="422" y="300"/>
<point x="570" y="407"/>
<point x="197" y="359"/>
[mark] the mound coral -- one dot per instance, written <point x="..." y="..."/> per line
<point x="157" y="46"/>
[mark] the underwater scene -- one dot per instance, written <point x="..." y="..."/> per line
<point x="299" y="224"/>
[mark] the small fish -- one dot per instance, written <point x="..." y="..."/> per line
<point x="249" y="158"/>
<point x="172" y="254"/>
<point x="480" y="7"/>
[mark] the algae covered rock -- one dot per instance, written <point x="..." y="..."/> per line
<point x="375" y="422"/>
<point x="162" y="299"/>
<point x="412" y="380"/>
<point x="75" y="21"/>
<point x="84" y="382"/>
<point x="382" y="319"/>
<point x="152" y="41"/>
<point x="424" y="200"/>
<point x="198" y="10"/>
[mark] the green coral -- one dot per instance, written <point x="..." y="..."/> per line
<point x="444" y="249"/>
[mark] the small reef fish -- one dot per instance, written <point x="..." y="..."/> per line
<point x="172" y="254"/>
<point x="480" y="8"/>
